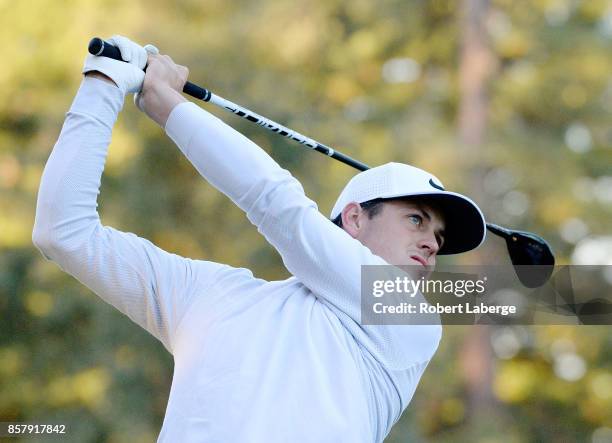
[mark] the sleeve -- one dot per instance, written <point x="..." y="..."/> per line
<point x="151" y="286"/>
<point x="322" y="256"/>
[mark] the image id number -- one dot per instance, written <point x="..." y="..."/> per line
<point x="15" y="429"/>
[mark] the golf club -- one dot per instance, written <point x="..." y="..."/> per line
<point x="530" y="254"/>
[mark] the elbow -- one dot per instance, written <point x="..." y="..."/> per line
<point x="44" y="237"/>
<point x="42" y="240"/>
<point x="41" y="232"/>
<point x="58" y="241"/>
<point x="275" y="198"/>
<point x="64" y="232"/>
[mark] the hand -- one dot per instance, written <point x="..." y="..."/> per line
<point x="161" y="91"/>
<point x="127" y="76"/>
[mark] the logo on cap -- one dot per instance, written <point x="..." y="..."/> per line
<point x="435" y="185"/>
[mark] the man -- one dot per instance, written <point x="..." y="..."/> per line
<point x="255" y="361"/>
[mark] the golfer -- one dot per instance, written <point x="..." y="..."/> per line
<point x="254" y="361"/>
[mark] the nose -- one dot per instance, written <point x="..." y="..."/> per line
<point x="429" y="244"/>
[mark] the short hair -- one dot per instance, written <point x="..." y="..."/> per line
<point x="373" y="207"/>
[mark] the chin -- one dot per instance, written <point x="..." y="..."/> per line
<point x="416" y="270"/>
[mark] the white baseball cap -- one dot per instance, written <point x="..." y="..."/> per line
<point x="465" y="225"/>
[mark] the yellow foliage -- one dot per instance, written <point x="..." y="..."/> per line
<point x="125" y="356"/>
<point x="548" y="335"/>
<point x="375" y="146"/>
<point x="90" y="386"/>
<point x="11" y="361"/>
<point x="440" y="158"/>
<point x="515" y="381"/>
<point x="600" y="385"/>
<point x="573" y="96"/>
<point x="341" y="88"/>
<point x="442" y="7"/>
<point x="13" y="231"/>
<point x="59" y="392"/>
<point x="560" y="390"/>
<point x="452" y="410"/>
<point x="87" y="387"/>
<point x="363" y="45"/>
<point x="552" y="209"/>
<point x="299" y="42"/>
<point x="593" y="9"/>
<point x="594" y="410"/>
<point x="361" y="10"/>
<point x="292" y="38"/>
<point x="178" y="242"/>
<point x="30" y="179"/>
<point x="39" y="303"/>
<point x="513" y="45"/>
<point x="594" y="67"/>
<point x="133" y="435"/>
<point x="125" y="146"/>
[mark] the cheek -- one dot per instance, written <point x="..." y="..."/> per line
<point x="387" y="241"/>
<point x="374" y="239"/>
<point x="396" y="234"/>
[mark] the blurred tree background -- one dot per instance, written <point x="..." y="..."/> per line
<point x="514" y="111"/>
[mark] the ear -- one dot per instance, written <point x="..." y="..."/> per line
<point x="351" y="218"/>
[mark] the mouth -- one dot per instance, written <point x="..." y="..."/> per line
<point x="420" y="259"/>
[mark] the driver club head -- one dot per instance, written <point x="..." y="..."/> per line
<point x="531" y="256"/>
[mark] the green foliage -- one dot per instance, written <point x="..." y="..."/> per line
<point x="322" y="68"/>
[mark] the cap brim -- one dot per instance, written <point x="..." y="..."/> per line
<point x="465" y="226"/>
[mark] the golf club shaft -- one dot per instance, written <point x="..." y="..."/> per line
<point x="535" y="250"/>
<point x="99" y="47"/>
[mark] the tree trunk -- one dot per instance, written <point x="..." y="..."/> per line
<point x="476" y="66"/>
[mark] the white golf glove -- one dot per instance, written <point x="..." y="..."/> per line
<point x="128" y="76"/>
<point x="151" y="50"/>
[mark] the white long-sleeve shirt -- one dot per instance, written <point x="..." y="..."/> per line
<point x="255" y="361"/>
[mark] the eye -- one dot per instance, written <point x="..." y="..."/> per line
<point x="416" y="219"/>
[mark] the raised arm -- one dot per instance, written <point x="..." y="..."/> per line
<point x="153" y="287"/>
